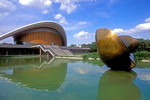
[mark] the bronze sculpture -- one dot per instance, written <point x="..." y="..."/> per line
<point x="116" y="51"/>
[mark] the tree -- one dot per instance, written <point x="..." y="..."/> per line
<point x="73" y="45"/>
<point x="144" y="45"/>
<point x="84" y="45"/>
<point x="92" y="46"/>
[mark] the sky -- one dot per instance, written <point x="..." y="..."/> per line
<point x="79" y="18"/>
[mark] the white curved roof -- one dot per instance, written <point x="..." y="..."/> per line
<point x="47" y="24"/>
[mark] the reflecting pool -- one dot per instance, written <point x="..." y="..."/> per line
<point x="64" y="79"/>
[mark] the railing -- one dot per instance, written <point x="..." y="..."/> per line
<point x="45" y="49"/>
<point x="54" y="50"/>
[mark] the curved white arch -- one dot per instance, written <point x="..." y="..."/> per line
<point x="48" y="24"/>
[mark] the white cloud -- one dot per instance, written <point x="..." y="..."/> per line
<point x="83" y="35"/>
<point x="68" y="7"/>
<point x="119" y="30"/>
<point x="147" y="19"/>
<point x="6" y="7"/>
<point x="144" y="26"/>
<point x="42" y="4"/>
<point x="83" y="23"/>
<point x="139" y="30"/>
<point x="48" y="3"/>
<point x="61" y="18"/>
<point x="26" y="2"/>
<point x="36" y="3"/>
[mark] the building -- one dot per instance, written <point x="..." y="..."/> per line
<point x="40" y="37"/>
<point x="45" y="32"/>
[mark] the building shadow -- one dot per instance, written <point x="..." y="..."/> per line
<point x="118" y="85"/>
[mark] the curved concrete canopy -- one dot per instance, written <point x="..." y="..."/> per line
<point x="41" y="24"/>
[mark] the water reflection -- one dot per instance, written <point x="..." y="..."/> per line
<point x="118" y="85"/>
<point x="48" y="75"/>
<point x="13" y="62"/>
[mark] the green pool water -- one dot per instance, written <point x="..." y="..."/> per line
<point x="63" y="79"/>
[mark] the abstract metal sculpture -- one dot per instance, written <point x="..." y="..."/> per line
<point x="116" y="51"/>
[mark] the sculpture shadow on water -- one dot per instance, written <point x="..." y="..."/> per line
<point x="118" y="85"/>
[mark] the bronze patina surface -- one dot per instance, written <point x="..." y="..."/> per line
<point x="116" y="51"/>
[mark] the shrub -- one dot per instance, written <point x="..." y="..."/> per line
<point x="85" y="56"/>
<point x="142" y="55"/>
<point x="90" y="55"/>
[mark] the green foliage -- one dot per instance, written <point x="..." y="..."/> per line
<point x="144" y="40"/>
<point x="90" y="55"/>
<point x="144" y="45"/>
<point x="92" y="46"/>
<point x="142" y="55"/>
<point x="85" y="56"/>
<point x="73" y="45"/>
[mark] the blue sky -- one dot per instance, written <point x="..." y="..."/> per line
<point x="79" y="18"/>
